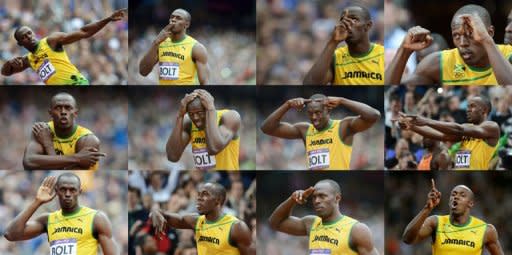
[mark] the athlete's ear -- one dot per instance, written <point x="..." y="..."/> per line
<point x="490" y="30"/>
<point x="471" y="203"/>
<point x="368" y="25"/>
<point x="338" y="198"/>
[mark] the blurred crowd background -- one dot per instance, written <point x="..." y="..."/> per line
<point x="102" y="59"/>
<point x="407" y="195"/>
<point x="277" y="153"/>
<point x="226" y="29"/>
<point x="365" y="205"/>
<point x="293" y="33"/>
<point x="103" y="110"/>
<point x="153" y="112"/>
<point x="401" y="15"/>
<point x="105" y="191"/>
<point x="176" y="191"/>
<point x="448" y="103"/>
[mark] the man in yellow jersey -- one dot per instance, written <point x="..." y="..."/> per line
<point x="74" y="229"/>
<point x="182" y="60"/>
<point x="479" y="138"/>
<point x="62" y="143"/>
<point x="476" y="60"/>
<point x="212" y="133"/>
<point x="330" y="232"/>
<point x="47" y="56"/>
<point x="328" y="142"/>
<point x="359" y="62"/>
<point x="215" y="233"/>
<point x="456" y="233"/>
<point x="508" y="29"/>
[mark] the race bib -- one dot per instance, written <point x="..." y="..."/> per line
<point x="169" y="71"/>
<point x="46" y="70"/>
<point x="318" y="159"/>
<point x="319" y="252"/>
<point x="462" y="159"/>
<point x="203" y="160"/>
<point x="63" y="247"/>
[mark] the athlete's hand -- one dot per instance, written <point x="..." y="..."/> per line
<point x="16" y="64"/>
<point x="298" y="103"/>
<point x="342" y="28"/>
<point x="417" y="38"/>
<point x="158" y="221"/>
<point x="473" y="27"/>
<point x="46" y="191"/>
<point x="88" y="156"/>
<point x="206" y="99"/>
<point x="301" y="196"/>
<point x="415" y="119"/>
<point x="331" y="102"/>
<point x="118" y="15"/>
<point x="164" y="34"/>
<point x="434" y="197"/>
<point x="42" y="133"/>
<point x="184" y="102"/>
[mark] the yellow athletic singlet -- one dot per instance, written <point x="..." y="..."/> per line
<point x="366" y="69"/>
<point x="176" y="66"/>
<point x="331" y="238"/>
<point x="72" y="234"/>
<point x="226" y="159"/>
<point x="451" y="239"/>
<point x="67" y="145"/>
<point x="325" y="150"/>
<point x="213" y="238"/>
<point x="54" y="67"/>
<point x="474" y="154"/>
<point x="455" y="72"/>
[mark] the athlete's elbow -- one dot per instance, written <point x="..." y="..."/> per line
<point x="29" y="164"/>
<point x="172" y="157"/>
<point x="143" y="71"/>
<point x="273" y="224"/>
<point x="213" y="149"/>
<point x="407" y="238"/>
<point x="375" y="116"/>
<point x="10" y="235"/>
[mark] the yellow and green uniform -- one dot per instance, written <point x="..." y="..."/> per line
<point x="176" y="66"/>
<point x="454" y="71"/>
<point x="365" y="69"/>
<point x="325" y="150"/>
<point x="226" y="159"/>
<point x="474" y="154"/>
<point x="451" y="239"/>
<point x="72" y="234"/>
<point x="213" y="237"/>
<point x="331" y="238"/>
<point x="53" y="66"/>
<point x="67" y="145"/>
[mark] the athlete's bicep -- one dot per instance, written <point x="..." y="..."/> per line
<point x="491" y="241"/>
<point x="88" y="141"/>
<point x="488" y="129"/>
<point x="242" y="238"/>
<point x="59" y="38"/>
<point x="427" y="71"/>
<point x="362" y="240"/>
<point x="103" y="230"/>
<point x="230" y="123"/>
<point x="200" y="57"/>
<point x="290" y="131"/>
<point x="426" y="230"/>
<point x="295" y="225"/>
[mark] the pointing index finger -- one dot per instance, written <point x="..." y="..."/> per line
<point x="433" y="183"/>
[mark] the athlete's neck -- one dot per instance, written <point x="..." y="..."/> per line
<point x="331" y="218"/>
<point x="178" y="37"/>
<point x="459" y="220"/>
<point x="214" y="215"/>
<point x="360" y="48"/>
<point x="33" y="48"/>
<point x="65" y="132"/>
<point x="70" y="211"/>
<point x="325" y="126"/>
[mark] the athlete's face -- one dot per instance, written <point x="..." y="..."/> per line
<point x="508" y="29"/>
<point x="325" y="200"/>
<point x="361" y="26"/>
<point x="63" y="111"/>
<point x="461" y="200"/>
<point x="471" y="52"/>
<point x="318" y="114"/>
<point x="68" y="189"/>
<point x="178" y="21"/>
<point x="475" y="111"/>
<point x="206" y="199"/>
<point x="26" y="37"/>
<point x="197" y="113"/>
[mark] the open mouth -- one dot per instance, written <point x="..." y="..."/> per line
<point x="466" y="55"/>
<point x="454" y="205"/>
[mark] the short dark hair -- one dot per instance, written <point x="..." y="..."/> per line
<point x="364" y="11"/>
<point x="317" y="96"/>
<point x="219" y="191"/>
<point x="188" y="17"/>
<point x="69" y="174"/>
<point x="16" y="33"/>
<point x="333" y="184"/>
<point x="63" y="94"/>
<point x="473" y="8"/>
